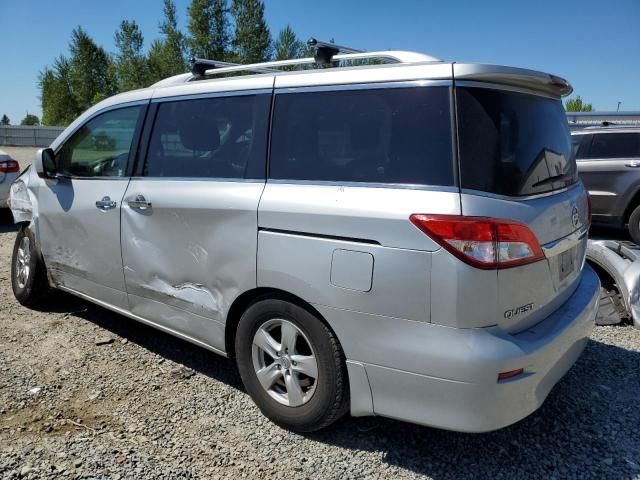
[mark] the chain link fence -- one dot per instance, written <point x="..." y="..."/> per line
<point x="28" y="136"/>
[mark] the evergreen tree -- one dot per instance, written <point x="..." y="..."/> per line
<point x="577" y="105"/>
<point x="89" y="70"/>
<point x="208" y="29"/>
<point x="5" y="120"/>
<point x="58" y="102"/>
<point x="288" y="46"/>
<point x="166" y="55"/>
<point x="252" y="40"/>
<point x="130" y="64"/>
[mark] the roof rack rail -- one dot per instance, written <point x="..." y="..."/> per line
<point x="326" y="52"/>
<point x="199" y="66"/>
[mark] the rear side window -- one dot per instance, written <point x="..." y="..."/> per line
<point x="387" y="135"/>
<point x="222" y="137"/>
<point x="513" y="144"/>
<point x="581" y="144"/>
<point x="615" y="145"/>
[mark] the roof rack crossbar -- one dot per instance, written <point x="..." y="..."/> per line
<point x="325" y="51"/>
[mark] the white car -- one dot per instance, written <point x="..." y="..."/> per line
<point x="9" y="171"/>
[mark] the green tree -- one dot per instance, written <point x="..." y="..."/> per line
<point x="5" y="120"/>
<point x="208" y="29"/>
<point x="252" y="40"/>
<point x="288" y="46"/>
<point x="577" y="105"/>
<point x="89" y="70"/>
<point x="130" y="63"/>
<point x="59" y="105"/>
<point x="30" y="119"/>
<point x="166" y="55"/>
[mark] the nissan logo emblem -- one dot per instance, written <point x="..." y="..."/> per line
<point x="575" y="217"/>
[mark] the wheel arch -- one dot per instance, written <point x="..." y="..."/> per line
<point x="248" y="298"/>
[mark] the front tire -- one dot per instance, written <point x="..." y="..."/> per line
<point x="28" y="274"/>
<point x="292" y="365"/>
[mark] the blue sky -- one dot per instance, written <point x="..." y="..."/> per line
<point x="594" y="44"/>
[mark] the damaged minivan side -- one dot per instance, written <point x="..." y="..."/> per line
<point x="403" y="239"/>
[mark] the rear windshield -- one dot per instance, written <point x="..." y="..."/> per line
<point x="512" y="143"/>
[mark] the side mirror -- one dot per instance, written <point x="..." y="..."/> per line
<point x="45" y="163"/>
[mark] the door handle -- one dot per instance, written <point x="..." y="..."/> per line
<point x="139" y="203"/>
<point x="106" y="204"/>
<point x="632" y="164"/>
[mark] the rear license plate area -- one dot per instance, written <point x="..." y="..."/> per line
<point x="566" y="263"/>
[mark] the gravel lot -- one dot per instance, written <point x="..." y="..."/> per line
<point x="146" y="405"/>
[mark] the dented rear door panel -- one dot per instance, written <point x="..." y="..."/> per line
<point x="188" y="256"/>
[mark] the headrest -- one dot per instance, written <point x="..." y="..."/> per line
<point x="198" y="128"/>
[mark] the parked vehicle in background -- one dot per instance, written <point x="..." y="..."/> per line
<point x="608" y="161"/>
<point x="9" y="171"/>
<point x="403" y="240"/>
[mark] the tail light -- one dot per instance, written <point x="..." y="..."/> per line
<point x="483" y="242"/>
<point x="9" y="166"/>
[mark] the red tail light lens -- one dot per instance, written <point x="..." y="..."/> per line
<point x="482" y="242"/>
<point x="9" y="166"/>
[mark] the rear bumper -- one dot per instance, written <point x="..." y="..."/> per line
<point x="452" y="382"/>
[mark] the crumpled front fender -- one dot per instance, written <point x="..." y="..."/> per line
<point x="622" y="263"/>
<point x="22" y="200"/>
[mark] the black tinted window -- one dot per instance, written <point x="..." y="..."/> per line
<point x="615" y="145"/>
<point x="392" y="135"/>
<point x="581" y="144"/>
<point x="221" y="137"/>
<point x="513" y="143"/>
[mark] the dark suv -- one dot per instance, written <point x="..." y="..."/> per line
<point x="609" y="165"/>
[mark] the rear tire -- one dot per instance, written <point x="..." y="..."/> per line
<point x="634" y="225"/>
<point x="277" y="344"/>
<point x="28" y="273"/>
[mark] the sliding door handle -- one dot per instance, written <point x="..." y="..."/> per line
<point x="140" y="203"/>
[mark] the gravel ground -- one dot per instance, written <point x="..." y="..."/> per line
<point x="146" y="405"/>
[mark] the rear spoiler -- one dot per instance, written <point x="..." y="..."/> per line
<point x="512" y="76"/>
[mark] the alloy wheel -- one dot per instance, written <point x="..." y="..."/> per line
<point x="23" y="262"/>
<point x="284" y="362"/>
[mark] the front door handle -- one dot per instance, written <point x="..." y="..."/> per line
<point x="632" y="164"/>
<point x="139" y="203"/>
<point x="105" y="204"/>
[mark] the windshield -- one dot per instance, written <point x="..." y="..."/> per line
<point x="513" y="143"/>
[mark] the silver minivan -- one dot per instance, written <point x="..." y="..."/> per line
<point x="404" y="238"/>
